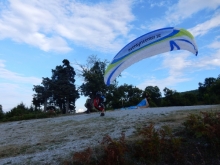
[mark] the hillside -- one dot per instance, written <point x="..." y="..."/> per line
<point x="52" y="140"/>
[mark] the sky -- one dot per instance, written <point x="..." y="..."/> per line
<point x="36" y="35"/>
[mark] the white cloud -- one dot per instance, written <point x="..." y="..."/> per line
<point x="154" y="3"/>
<point x="15" y="77"/>
<point x="13" y="94"/>
<point x="50" y="24"/>
<point x="215" y="44"/>
<point x="17" y="88"/>
<point x="169" y="82"/>
<point x="80" y="104"/>
<point x="2" y="63"/>
<point x="212" y="59"/>
<point x="209" y="62"/>
<point x="182" y="10"/>
<point x="80" y="110"/>
<point x="176" y="64"/>
<point x="205" y="27"/>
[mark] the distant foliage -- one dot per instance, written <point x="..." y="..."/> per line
<point x="155" y="95"/>
<point x="21" y="112"/>
<point x="123" y="96"/>
<point x="1" y="113"/>
<point x="128" y="95"/>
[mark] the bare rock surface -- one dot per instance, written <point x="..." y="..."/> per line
<point x="52" y="140"/>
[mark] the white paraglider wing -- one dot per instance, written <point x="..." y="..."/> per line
<point x="150" y="44"/>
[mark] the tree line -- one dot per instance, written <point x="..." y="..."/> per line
<point x="60" y="91"/>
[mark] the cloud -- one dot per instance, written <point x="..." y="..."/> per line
<point x="169" y="81"/>
<point x="183" y="10"/>
<point x="153" y="3"/>
<point x="212" y="59"/>
<point x="15" y="77"/>
<point x="209" y="62"/>
<point x="180" y="11"/>
<point x="2" y="65"/>
<point x="80" y="110"/>
<point x="205" y="27"/>
<point x="176" y="65"/>
<point x="13" y="94"/>
<point x="18" y="87"/>
<point x="51" y="25"/>
<point x="215" y="44"/>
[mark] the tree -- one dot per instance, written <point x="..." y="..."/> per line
<point x="172" y="98"/>
<point x="209" y="91"/>
<point x="155" y="95"/>
<point x="215" y="90"/>
<point x="189" y="98"/>
<point x="209" y="82"/>
<point x="60" y="90"/>
<point x="64" y="91"/>
<point x="123" y="96"/>
<point x="93" y="76"/>
<point x="130" y="95"/>
<point x="19" y="110"/>
<point x="112" y="96"/>
<point x="212" y="93"/>
<point x="1" y="112"/>
<point x="42" y="93"/>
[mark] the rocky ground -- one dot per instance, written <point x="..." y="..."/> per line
<point x="52" y="140"/>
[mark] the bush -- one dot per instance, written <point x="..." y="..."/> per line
<point x="205" y="126"/>
<point x="188" y="145"/>
<point x="2" y="115"/>
<point x="28" y="115"/>
<point x="114" y="151"/>
<point x="153" y="147"/>
<point x="157" y="146"/>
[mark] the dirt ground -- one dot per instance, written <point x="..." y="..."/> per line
<point x="52" y="140"/>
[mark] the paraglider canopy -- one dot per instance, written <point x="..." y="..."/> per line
<point x="147" y="45"/>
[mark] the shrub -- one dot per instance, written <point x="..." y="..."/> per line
<point x="1" y="114"/>
<point x="161" y="146"/>
<point x="153" y="147"/>
<point x="114" y="151"/>
<point x="205" y="126"/>
<point x="157" y="146"/>
<point x="83" y="157"/>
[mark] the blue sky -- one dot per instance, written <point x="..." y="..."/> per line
<point x="36" y="35"/>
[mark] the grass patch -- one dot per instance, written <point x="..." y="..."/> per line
<point x="14" y="150"/>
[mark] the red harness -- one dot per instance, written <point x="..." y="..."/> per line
<point x="96" y="104"/>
